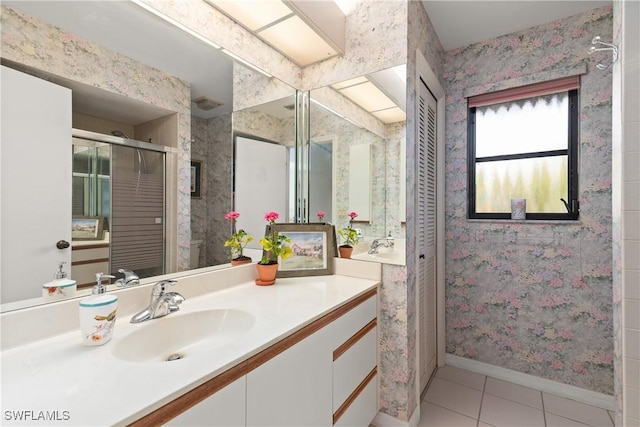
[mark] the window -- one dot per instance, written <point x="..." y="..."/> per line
<point x="523" y="143"/>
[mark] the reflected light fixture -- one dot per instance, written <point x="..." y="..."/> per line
<point x="365" y="93"/>
<point x="304" y="31"/>
<point x="206" y="104"/>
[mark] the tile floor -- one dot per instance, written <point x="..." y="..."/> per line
<point x="460" y="398"/>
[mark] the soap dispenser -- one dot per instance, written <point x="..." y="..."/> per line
<point x="98" y="313"/>
<point x="60" y="287"/>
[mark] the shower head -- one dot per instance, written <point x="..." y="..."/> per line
<point x="119" y="134"/>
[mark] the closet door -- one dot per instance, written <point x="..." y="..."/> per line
<point x="426" y="227"/>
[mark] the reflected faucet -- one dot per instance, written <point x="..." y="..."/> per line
<point x="130" y="278"/>
<point x="386" y="242"/>
<point x="162" y="303"/>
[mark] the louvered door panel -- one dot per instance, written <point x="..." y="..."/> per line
<point x="426" y="211"/>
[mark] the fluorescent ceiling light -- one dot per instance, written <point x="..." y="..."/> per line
<point x="391" y="115"/>
<point x="350" y="82"/>
<point x="174" y="23"/>
<point x="304" y="31"/>
<point x="297" y="40"/>
<point x="253" y="14"/>
<point x="368" y="96"/>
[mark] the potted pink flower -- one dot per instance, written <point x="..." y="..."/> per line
<point x="321" y="215"/>
<point x="350" y="236"/>
<point x="275" y="246"/>
<point x="238" y="241"/>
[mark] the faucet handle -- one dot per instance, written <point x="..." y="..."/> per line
<point x="158" y="288"/>
<point x="130" y="278"/>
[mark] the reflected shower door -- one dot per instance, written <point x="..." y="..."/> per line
<point x="137" y="211"/>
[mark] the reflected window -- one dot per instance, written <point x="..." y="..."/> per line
<point x="524" y="147"/>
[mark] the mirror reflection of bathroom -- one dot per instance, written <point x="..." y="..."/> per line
<point x="122" y="186"/>
<point x="358" y="130"/>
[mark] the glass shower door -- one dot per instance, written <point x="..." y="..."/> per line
<point x="137" y="211"/>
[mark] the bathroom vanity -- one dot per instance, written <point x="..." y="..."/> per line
<point x="301" y="352"/>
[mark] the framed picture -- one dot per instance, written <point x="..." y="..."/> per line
<point x="196" y="178"/>
<point x="86" y="228"/>
<point x="313" y="247"/>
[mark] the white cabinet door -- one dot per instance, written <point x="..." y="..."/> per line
<point x="35" y="211"/>
<point x="225" y="408"/>
<point x="294" y="387"/>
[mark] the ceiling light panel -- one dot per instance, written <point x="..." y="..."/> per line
<point x="296" y="40"/>
<point x="391" y="115"/>
<point x="368" y="96"/>
<point x="253" y="14"/>
<point x="351" y="82"/>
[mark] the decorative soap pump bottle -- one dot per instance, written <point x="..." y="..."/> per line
<point x="98" y="313"/>
<point x="60" y="287"/>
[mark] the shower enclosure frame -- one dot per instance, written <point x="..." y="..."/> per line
<point x="138" y="145"/>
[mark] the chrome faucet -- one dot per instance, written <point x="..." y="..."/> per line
<point x="386" y="242"/>
<point x="130" y="278"/>
<point x="162" y="303"/>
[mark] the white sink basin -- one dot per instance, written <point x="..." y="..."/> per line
<point x="183" y="335"/>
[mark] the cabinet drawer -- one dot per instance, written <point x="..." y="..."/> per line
<point x="351" y="322"/>
<point x="353" y="366"/>
<point x="363" y="409"/>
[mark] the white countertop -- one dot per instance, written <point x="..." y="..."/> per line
<point x="96" y="388"/>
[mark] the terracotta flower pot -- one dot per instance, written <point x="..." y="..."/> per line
<point x="241" y="260"/>
<point x="345" y="251"/>
<point x="266" y="274"/>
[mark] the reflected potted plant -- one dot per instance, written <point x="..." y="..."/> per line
<point x="275" y="246"/>
<point x="238" y="241"/>
<point x="350" y="236"/>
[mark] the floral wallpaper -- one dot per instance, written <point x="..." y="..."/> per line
<point x="535" y="297"/>
<point x="40" y="46"/>
<point x="397" y="310"/>
<point x="396" y="135"/>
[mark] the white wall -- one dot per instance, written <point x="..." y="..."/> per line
<point x="630" y="62"/>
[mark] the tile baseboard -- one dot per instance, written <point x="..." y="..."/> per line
<point x="593" y="398"/>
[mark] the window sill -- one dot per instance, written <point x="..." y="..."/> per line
<point x="526" y="221"/>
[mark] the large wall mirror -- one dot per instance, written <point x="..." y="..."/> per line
<point x="357" y="129"/>
<point x="188" y="98"/>
<point x="166" y="97"/>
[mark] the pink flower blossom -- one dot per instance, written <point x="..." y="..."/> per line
<point x="352" y="215"/>
<point x="233" y="215"/>
<point x="320" y="215"/>
<point x="271" y="216"/>
<point x="566" y="335"/>
<point x="579" y="368"/>
<point x="556" y="282"/>
<point x="556" y="364"/>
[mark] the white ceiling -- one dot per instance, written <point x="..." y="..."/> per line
<point x="460" y="23"/>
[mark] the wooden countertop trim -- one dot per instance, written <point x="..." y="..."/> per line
<point x="353" y="396"/>
<point x="191" y="398"/>
<point x="354" y="339"/>
<point x="172" y="409"/>
<point x="271" y="352"/>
